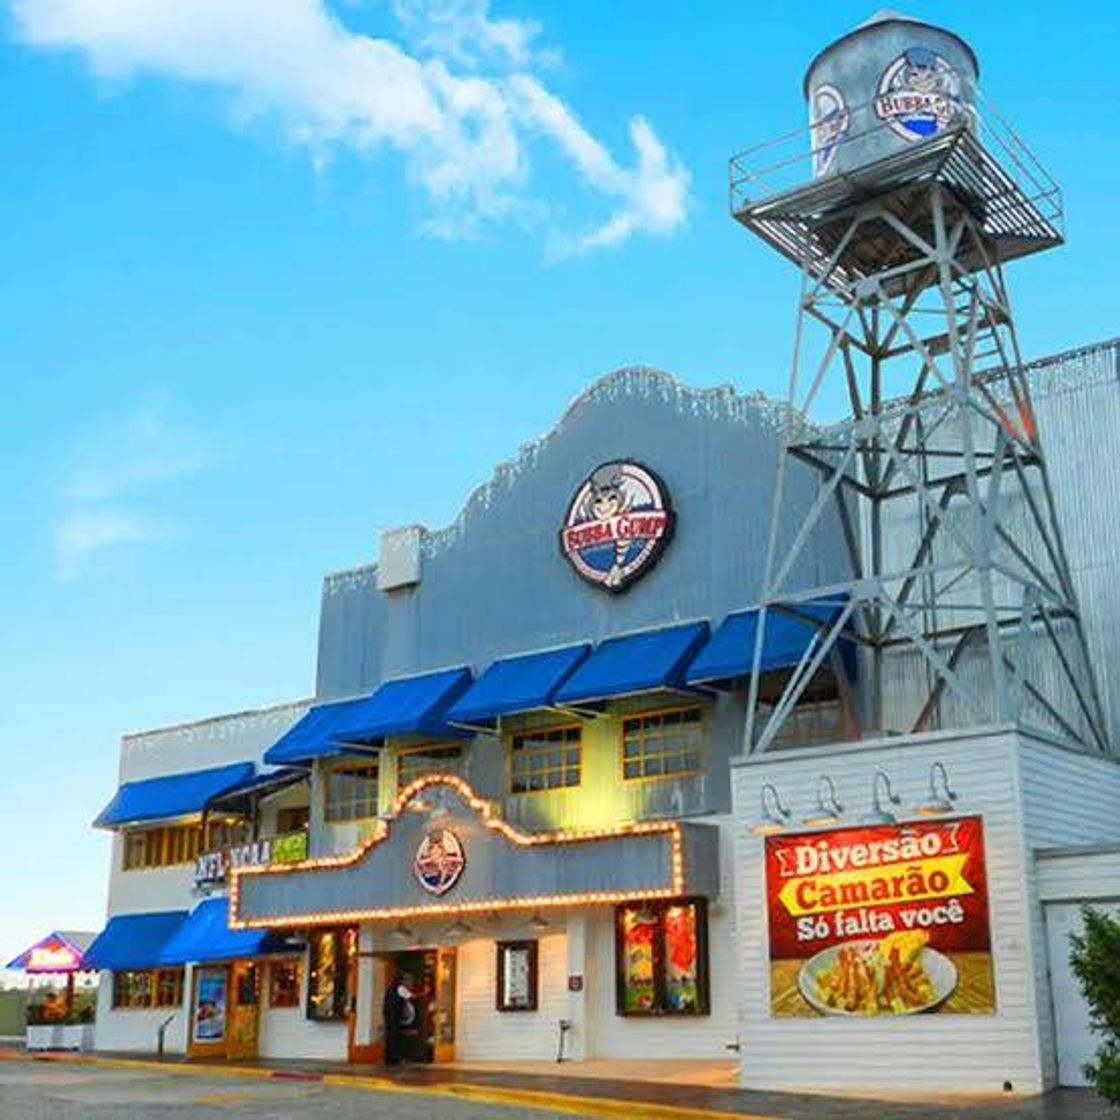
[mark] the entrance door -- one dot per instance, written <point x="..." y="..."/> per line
<point x="209" y="1002"/>
<point x="244" y="1009"/>
<point x="428" y="1029"/>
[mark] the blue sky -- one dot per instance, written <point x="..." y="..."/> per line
<point x="267" y="289"/>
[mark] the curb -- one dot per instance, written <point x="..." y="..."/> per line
<point x="552" y="1101"/>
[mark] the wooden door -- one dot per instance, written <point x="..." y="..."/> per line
<point x="445" y="1006"/>
<point x="244" y="1009"/>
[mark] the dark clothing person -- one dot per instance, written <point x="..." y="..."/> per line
<point x="399" y="1012"/>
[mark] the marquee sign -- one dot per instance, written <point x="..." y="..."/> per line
<point x="53" y="956"/>
<point x="617" y="525"/>
<point x="884" y="920"/>
<point x="439" y="861"/>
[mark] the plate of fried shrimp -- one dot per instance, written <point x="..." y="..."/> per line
<point x="894" y="975"/>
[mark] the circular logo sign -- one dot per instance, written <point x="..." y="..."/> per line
<point x="830" y="124"/>
<point x="439" y="861"/>
<point x="617" y="524"/>
<point x="919" y="94"/>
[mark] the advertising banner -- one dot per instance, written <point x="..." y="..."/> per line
<point x="210" y="1005"/>
<point x="880" y="920"/>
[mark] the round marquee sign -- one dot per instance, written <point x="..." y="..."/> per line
<point x="439" y="861"/>
<point x="617" y="525"/>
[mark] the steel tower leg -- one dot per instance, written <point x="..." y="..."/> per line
<point x="954" y="584"/>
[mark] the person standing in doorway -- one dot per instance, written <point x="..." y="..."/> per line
<point x="399" y="1011"/>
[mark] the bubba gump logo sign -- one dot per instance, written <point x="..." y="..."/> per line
<point x="883" y="920"/>
<point x="439" y="861"/>
<point x="617" y="525"/>
<point x="919" y="94"/>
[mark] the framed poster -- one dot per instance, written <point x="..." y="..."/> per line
<point x="517" y="976"/>
<point x="879" y="921"/>
<point x="210" y="1005"/>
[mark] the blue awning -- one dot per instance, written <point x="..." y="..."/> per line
<point x="730" y="650"/>
<point x="174" y="795"/>
<point x="517" y="684"/>
<point x="206" y="936"/>
<point x="644" y="662"/>
<point x="406" y="706"/>
<point x="132" y="941"/>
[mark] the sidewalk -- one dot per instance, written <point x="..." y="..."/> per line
<point x="634" y="1096"/>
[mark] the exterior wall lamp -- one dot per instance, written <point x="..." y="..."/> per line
<point x="940" y="797"/>
<point x="456" y="931"/>
<point x="775" y="815"/>
<point x="400" y="932"/>
<point x="539" y="924"/>
<point x="879" y="814"/>
<point x="828" y="809"/>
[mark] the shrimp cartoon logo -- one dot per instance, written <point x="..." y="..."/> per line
<point x="831" y="120"/>
<point x="439" y="861"/>
<point x="618" y="524"/>
<point x="919" y="94"/>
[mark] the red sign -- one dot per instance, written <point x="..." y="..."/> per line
<point x="882" y="920"/>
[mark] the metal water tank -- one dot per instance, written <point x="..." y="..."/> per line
<point x="889" y="84"/>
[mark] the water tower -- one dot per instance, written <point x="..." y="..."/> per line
<point x="901" y="206"/>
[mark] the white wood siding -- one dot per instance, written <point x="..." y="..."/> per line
<point x="482" y="1032"/>
<point x="286" y="1032"/>
<point x="1069" y="799"/>
<point x="136" y="1030"/>
<point x="670" y="1037"/>
<point x="917" y="1053"/>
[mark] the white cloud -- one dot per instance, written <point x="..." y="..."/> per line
<point x="464" y="104"/>
<point x="115" y="476"/>
<point x="81" y="532"/>
<point x="145" y="452"/>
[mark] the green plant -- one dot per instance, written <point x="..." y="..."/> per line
<point x="1095" y="959"/>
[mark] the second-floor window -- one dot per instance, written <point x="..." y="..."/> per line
<point x="547" y="759"/>
<point x="417" y="762"/>
<point x="292" y="819"/>
<point x="161" y="847"/>
<point x="662" y="744"/>
<point x="352" y="792"/>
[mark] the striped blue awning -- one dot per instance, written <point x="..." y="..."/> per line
<point x="645" y="662"/>
<point x="406" y="706"/>
<point x="132" y="940"/>
<point x="205" y="936"/>
<point x="171" y="796"/>
<point x="729" y="653"/>
<point x="517" y="684"/>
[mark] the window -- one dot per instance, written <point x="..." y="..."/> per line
<point x="662" y="744"/>
<point x="548" y="759"/>
<point x="283" y="984"/>
<point x="662" y="958"/>
<point x="810" y="722"/>
<point x="144" y="989"/>
<point x="352" y="792"/>
<point x="292" y="819"/>
<point x="161" y="847"/>
<point x="420" y="761"/>
<point x="328" y="973"/>
<point x="517" y="976"/>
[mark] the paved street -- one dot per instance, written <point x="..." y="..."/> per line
<point x="49" y="1091"/>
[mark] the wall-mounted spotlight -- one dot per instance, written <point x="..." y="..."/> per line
<point x="456" y="931"/>
<point x="828" y="809"/>
<point x="880" y="814"/>
<point x="940" y="797"/>
<point x="538" y="923"/>
<point x="400" y="932"/>
<point x="775" y="815"/>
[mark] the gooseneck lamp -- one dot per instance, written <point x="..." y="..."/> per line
<point x="774" y="814"/>
<point x="880" y="813"/>
<point x="828" y="809"/>
<point x="940" y="797"/>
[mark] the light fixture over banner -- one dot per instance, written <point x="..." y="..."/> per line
<point x="618" y="523"/>
<point x="877" y="921"/>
